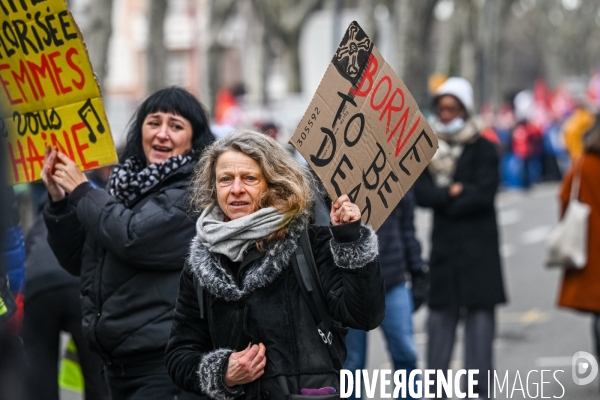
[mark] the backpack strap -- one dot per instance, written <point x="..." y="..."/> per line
<point x="312" y="291"/>
<point x="200" y="296"/>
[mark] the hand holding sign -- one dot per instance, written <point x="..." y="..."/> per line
<point x="67" y="174"/>
<point x="54" y="190"/>
<point x="343" y="211"/>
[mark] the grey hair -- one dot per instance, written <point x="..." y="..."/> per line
<point x="291" y="187"/>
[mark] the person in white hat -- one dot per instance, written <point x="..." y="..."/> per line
<point x="460" y="185"/>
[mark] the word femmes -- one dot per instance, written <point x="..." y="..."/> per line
<point x="446" y="386"/>
<point x="30" y="76"/>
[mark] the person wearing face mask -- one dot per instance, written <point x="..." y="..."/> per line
<point x="128" y="244"/>
<point x="460" y="185"/>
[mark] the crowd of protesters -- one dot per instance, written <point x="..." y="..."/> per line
<point x="540" y="132"/>
<point x="124" y="239"/>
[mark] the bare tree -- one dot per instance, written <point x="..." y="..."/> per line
<point x="97" y="36"/>
<point x="284" y="20"/>
<point x="500" y="16"/>
<point x="414" y="19"/>
<point x="257" y="54"/>
<point x="369" y="24"/>
<point x="568" y="39"/>
<point x="156" y="51"/>
<point x="219" y="12"/>
<point x="477" y="30"/>
<point x="545" y="39"/>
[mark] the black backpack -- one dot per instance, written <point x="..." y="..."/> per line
<point x="307" y="275"/>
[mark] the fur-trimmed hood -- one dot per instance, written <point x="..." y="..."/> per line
<point x="213" y="277"/>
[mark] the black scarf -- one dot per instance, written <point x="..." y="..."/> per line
<point x="130" y="180"/>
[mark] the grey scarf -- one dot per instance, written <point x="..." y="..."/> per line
<point x="234" y="237"/>
<point x="450" y="148"/>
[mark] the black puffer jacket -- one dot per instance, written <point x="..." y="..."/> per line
<point x="129" y="260"/>
<point x="43" y="271"/>
<point x="265" y="305"/>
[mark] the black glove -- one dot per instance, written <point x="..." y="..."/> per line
<point x="420" y="287"/>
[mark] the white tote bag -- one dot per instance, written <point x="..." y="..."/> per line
<point x="568" y="242"/>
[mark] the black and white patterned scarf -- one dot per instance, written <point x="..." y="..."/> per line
<point x="132" y="179"/>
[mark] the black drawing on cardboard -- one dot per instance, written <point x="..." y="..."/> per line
<point x="352" y="55"/>
<point x="85" y="113"/>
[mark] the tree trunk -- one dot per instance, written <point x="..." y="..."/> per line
<point x="492" y="18"/>
<point x="284" y="20"/>
<point x="97" y="37"/>
<point x="156" y="51"/>
<point x="291" y="58"/>
<point x="499" y="51"/>
<point x="368" y="23"/>
<point x="215" y="53"/>
<point x="218" y="13"/>
<point x="414" y="19"/>
<point x="401" y="12"/>
<point x="467" y="21"/>
<point x="255" y="56"/>
<point x="267" y="58"/>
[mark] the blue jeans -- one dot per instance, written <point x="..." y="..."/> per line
<point x="398" y="330"/>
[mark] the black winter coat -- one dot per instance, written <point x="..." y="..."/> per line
<point x="399" y="249"/>
<point x="43" y="270"/>
<point x="465" y="260"/>
<point x="266" y="305"/>
<point x="129" y="260"/>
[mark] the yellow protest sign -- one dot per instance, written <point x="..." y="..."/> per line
<point x="48" y="91"/>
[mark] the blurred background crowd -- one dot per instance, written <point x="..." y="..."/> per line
<point x="534" y="66"/>
<point x="257" y="63"/>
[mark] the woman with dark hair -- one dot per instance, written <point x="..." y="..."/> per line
<point x="129" y="244"/>
<point x="175" y="101"/>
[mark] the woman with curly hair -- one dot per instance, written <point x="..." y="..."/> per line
<point x="255" y="335"/>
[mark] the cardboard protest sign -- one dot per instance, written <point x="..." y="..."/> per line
<point x="48" y="91"/>
<point x="363" y="133"/>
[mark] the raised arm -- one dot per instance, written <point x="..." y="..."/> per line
<point x="154" y="237"/>
<point x="350" y="274"/>
<point x="66" y="235"/>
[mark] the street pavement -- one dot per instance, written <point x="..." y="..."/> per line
<point x="532" y="333"/>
